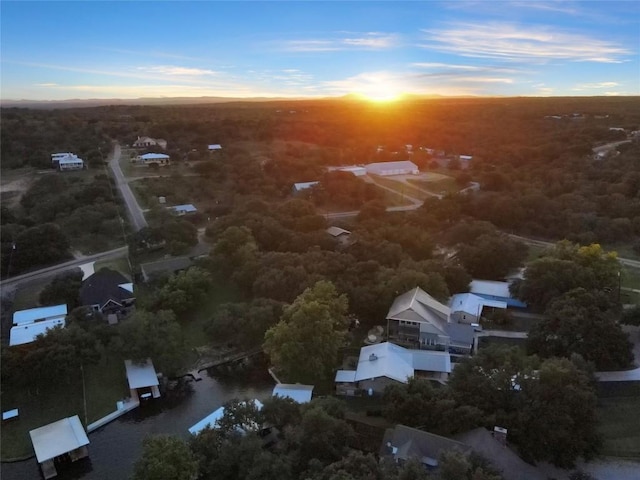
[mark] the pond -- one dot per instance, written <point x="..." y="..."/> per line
<point x="115" y="447"/>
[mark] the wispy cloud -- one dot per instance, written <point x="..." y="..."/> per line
<point x="590" y="86"/>
<point x="369" y="40"/>
<point x="45" y="85"/>
<point x="517" y="42"/>
<point x="172" y="70"/>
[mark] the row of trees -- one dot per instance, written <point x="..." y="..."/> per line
<point x="310" y="441"/>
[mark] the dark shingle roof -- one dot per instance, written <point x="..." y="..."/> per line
<point x="103" y="286"/>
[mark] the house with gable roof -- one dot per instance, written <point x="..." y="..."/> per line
<point x="108" y="292"/>
<point x="417" y="320"/>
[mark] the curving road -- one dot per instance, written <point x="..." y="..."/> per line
<point x="136" y="216"/>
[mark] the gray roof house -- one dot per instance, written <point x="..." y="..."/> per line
<point x="107" y="291"/>
<point x="417" y="320"/>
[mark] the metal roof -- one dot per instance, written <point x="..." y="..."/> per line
<point x="41" y="313"/>
<point x="27" y="332"/>
<point x="141" y="375"/>
<point x="418" y="306"/>
<point x="490" y="287"/>
<point x="58" y="438"/>
<point x="431" y="361"/>
<point x="153" y="156"/>
<point x="187" y="208"/>
<point x="304" y="185"/>
<point x="337" y="231"/>
<point x="345" y="376"/>
<point x="473" y="304"/>
<point x="211" y="419"/>
<point x="298" y="393"/>
<point x="384" y="360"/>
<point x="214" y="146"/>
<point x="398" y="165"/>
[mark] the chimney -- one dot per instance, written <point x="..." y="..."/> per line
<point x="373" y="357"/>
<point x="500" y="434"/>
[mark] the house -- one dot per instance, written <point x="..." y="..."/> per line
<point x="39" y="314"/>
<point x="343" y="236"/>
<point x="160" y="268"/>
<point x="64" y="440"/>
<point x="467" y="307"/>
<point x="143" y="380"/>
<point x="404" y="443"/>
<point x="417" y="320"/>
<point x="145" y="142"/>
<point x="296" y="392"/>
<point x="153" y="159"/>
<point x="28" y="332"/>
<point x="108" y="292"/>
<point x="385" y="364"/>
<point x="495" y="290"/>
<point x="404" y="167"/>
<point x="66" y="161"/>
<point x="214" y="147"/>
<point x="299" y="187"/>
<point x="212" y="419"/>
<point x="181" y="210"/>
<point x="356" y="170"/>
<point x="55" y="157"/>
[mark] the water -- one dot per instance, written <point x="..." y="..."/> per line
<point x="115" y="447"/>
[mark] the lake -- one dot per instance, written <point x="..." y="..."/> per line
<point x="115" y="447"/>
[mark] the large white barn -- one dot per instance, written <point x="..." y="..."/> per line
<point x="404" y="167"/>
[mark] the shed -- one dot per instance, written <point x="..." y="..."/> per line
<point x="183" y="209"/>
<point x="298" y="187"/>
<point x="214" y="147"/>
<point x="143" y="379"/>
<point x="211" y="419"/>
<point x="296" y="392"/>
<point x="65" y="437"/>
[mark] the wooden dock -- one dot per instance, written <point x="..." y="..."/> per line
<point x="126" y="407"/>
<point x="229" y="359"/>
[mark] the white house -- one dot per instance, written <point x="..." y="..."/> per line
<point x="296" y="392"/>
<point x="385" y="363"/>
<point x="144" y="142"/>
<point x="403" y="167"/>
<point x="70" y="163"/>
<point x="153" y="158"/>
<point x="64" y="438"/>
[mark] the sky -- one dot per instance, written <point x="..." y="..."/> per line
<point x="80" y="50"/>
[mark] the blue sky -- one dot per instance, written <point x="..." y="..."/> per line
<point x="62" y="50"/>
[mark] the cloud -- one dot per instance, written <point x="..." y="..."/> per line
<point x="45" y="84"/>
<point x="369" y="41"/>
<point x="518" y="42"/>
<point x="172" y="70"/>
<point x="590" y="86"/>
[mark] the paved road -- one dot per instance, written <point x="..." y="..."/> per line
<point x="609" y="146"/>
<point x="11" y="284"/>
<point x="135" y="212"/>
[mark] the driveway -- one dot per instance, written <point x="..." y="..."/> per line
<point x="135" y="212"/>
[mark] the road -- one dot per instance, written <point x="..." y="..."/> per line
<point x="609" y="146"/>
<point x="135" y="212"/>
<point x="11" y="284"/>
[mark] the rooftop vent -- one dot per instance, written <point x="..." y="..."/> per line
<point x="373" y="357"/>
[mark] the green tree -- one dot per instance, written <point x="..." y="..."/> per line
<point x="582" y="322"/>
<point x="304" y="345"/>
<point x="165" y="458"/>
<point x="183" y="291"/>
<point x="631" y="316"/>
<point x="65" y="289"/>
<point x="154" y="335"/>
<point x="40" y="245"/>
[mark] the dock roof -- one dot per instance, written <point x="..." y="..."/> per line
<point x="58" y="438"/>
<point x="141" y="375"/>
<point x="41" y="313"/>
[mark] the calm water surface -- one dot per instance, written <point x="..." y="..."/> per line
<point x="115" y="447"/>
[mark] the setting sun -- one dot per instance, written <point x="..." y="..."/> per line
<point x="380" y="93"/>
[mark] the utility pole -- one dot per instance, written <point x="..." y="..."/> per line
<point x="84" y="395"/>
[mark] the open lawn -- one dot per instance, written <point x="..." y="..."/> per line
<point x="438" y="185"/>
<point x="511" y="342"/>
<point x="28" y="296"/>
<point x="105" y="384"/>
<point x="118" y="264"/>
<point x="618" y="404"/>
<point x="631" y="277"/>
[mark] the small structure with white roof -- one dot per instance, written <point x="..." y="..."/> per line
<point x="40" y="314"/>
<point x="404" y="167"/>
<point x="28" y="332"/>
<point x="181" y="210"/>
<point x="495" y="290"/>
<point x="343" y="236"/>
<point x="214" y="147"/>
<point x="355" y="170"/>
<point x="299" y="187"/>
<point x="467" y="307"/>
<point x="65" y="438"/>
<point x="143" y="379"/>
<point x="296" y="392"/>
<point x="212" y="419"/>
<point x="67" y="161"/>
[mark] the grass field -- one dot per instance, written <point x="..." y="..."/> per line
<point x="118" y="264"/>
<point x="105" y="384"/>
<point x="441" y="185"/>
<point x="618" y="404"/>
